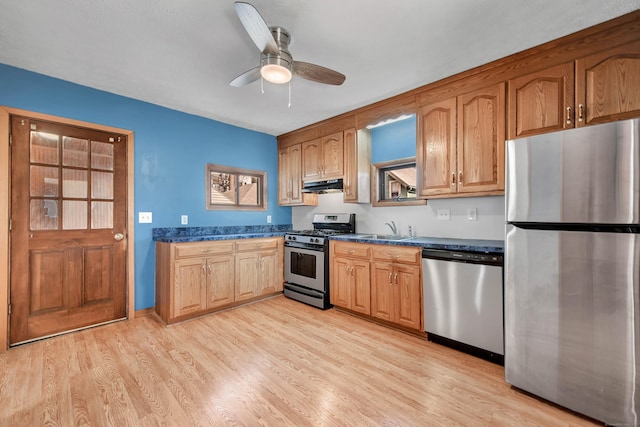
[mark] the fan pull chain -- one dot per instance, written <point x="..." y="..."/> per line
<point x="261" y="86"/>
<point x="289" y="106"/>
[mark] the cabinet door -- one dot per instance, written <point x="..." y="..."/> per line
<point x="350" y="179"/>
<point x="284" y="177"/>
<point x="542" y="101"/>
<point x="269" y="280"/>
<point x="340" y="285"/>
<point x="311" y="160"/>
<point x="436" y="149"/>
<point x="190" y="292"/>
<point x="382" y="291"/>
<point x="407" y="296"/>
<point x="360" y="287"/>
<point x="480" y="148"/>
<point x="607" y="86"/>
<point x="332" y="156"/>
<point x="295" y="174"/>
<point x="220" y="280"/>
<point x="247" y="270"/>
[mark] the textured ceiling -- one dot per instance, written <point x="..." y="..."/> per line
<point x="182" y="54"/>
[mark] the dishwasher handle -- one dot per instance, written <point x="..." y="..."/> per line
<point x="465" y="257"/>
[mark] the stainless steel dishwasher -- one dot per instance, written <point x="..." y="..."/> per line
<point x="463" y="301"/>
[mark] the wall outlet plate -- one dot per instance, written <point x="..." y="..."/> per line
<point x="444" y="214"/>
<point x="145" y="217"/>
<point x="184" y="219"/>
<point x="268" y="219"/>
<point x="472" y="214"/>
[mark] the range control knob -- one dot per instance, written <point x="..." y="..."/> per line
<point x="292" y="237"/>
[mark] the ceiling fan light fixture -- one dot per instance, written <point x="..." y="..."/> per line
<point x="275" y="73"/>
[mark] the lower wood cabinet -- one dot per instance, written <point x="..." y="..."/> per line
<point x="199" y="277"/>
<point x="382" y="281"/>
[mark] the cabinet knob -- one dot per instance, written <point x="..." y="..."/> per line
<point x="453" y="179"/>
<point x="580" y="112"/>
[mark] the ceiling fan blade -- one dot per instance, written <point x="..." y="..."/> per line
<point x="245" y="78"/>
<point x="317" y="73"/>
<point x="256" y="27"/>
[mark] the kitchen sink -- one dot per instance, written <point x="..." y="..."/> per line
<point x="384" y="237"/>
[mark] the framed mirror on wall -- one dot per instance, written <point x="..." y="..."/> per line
<point x="235" y="188"/>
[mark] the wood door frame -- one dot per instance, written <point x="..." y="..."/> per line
<point x="5" y="198"/>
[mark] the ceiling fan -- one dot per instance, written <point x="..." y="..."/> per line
<point x="276" y="63"/>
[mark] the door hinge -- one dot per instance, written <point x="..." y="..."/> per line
<point x="10" y="224"/>
<point x="10" y="140"/>
<point x="9" y="309"/>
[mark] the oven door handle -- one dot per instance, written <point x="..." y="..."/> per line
<point x="303" y="246"/>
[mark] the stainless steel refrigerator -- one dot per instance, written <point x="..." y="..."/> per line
<point x="572" y="269"/>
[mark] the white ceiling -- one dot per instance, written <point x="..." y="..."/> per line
<point x="182" y="54"/>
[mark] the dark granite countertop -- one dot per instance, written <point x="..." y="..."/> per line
<point x="469" y="245"/>
<point x="230" y="232"/>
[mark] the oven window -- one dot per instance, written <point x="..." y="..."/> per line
<point x="303" y="264"/>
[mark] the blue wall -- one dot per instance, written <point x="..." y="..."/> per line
<point x="394" y="141"/>
<point x="171" y="151"/>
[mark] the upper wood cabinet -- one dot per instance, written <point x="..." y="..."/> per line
<point x="460" y="145"/>
<point x="542" y="101"/>
<point x="357" y="166"/>
<point x="290" y="178"/>
<point x="608" y="85"/>
<point x="323" y="158"/>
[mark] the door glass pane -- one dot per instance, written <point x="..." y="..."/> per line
<point x="44" y="148"/>
<point x="74" y="215"/>
<point x="75" y="152"/>
<point x="101" y="155"/>
<point x="102" y="185"/>
<point x="44" y="214"/>
<point x="101" y="214"/>
<point x="44" y="181"/>
<point x="74" y="183"/>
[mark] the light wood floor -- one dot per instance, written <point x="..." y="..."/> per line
<point x="273" y="363"/>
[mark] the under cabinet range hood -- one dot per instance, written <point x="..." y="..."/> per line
<point x="322" y="187"/>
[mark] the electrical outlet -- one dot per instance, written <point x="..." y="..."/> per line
<point x="184" y="219"/>
<point x="472" y="214"/>
<point x="268" y="219"/>
<point x="444" y="214"/>
<point x="145" y="217"/>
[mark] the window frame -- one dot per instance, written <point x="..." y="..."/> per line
<point x="377" y="173"/>
<point x="261" y="177"/>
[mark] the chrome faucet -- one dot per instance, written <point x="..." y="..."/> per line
<point x="393" y="227"/>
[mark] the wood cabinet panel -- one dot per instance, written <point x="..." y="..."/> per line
<point x="542" y="101"/>
<point x="184" y="250"/>
<point x="340" y="283"/>
<point x="403" y="254"/>
<point x="361" y="287"/>
<point x="352" y="250"/>
<point x="290" y="178"/>
<point x="220" y="280"/>
<point x="245" y="245"/>
<point x="436" y="148"/>
<point x="350" y="180"/>
<point x="408" y="296"/>
<point x="382" y="291"/>
<point x="608" y="85"/>
<point x="190" y="291"/>
<point x="323" y="158"/>
<point x="247" y="269"/>
<point x="311" y="160"/>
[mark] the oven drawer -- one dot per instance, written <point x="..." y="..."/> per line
<point x="351" y="250"/>
<point x="185" y="250"/>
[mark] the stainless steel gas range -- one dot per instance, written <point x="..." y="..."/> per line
<point x="306" y="258"/>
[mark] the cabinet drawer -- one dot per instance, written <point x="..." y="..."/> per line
<point x="256" y="244"/>
<point x="402" y="254"/>
<point x="184" y="250"/>
<point x="351" y="250"/>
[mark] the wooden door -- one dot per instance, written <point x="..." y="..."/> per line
<point x="360" y="287"/>
<point x="382" y="291"/>
<point x="340" y="285"/>
<point x="480" y="148"/>
<point x="68" y="238"/>
<point x="436" y="149"/>
<point x="542" y="101"/>
<point x="220" y="280"/>
<point x="607" y="85"/>
<point x="311" y="160"/>
<point x="246" y="275"/>
<point x="408" y="296"/>
<point x="190" y="288"/>
<point x="332" y="165"/>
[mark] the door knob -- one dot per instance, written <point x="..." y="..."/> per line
<point x="118" y="236"/>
